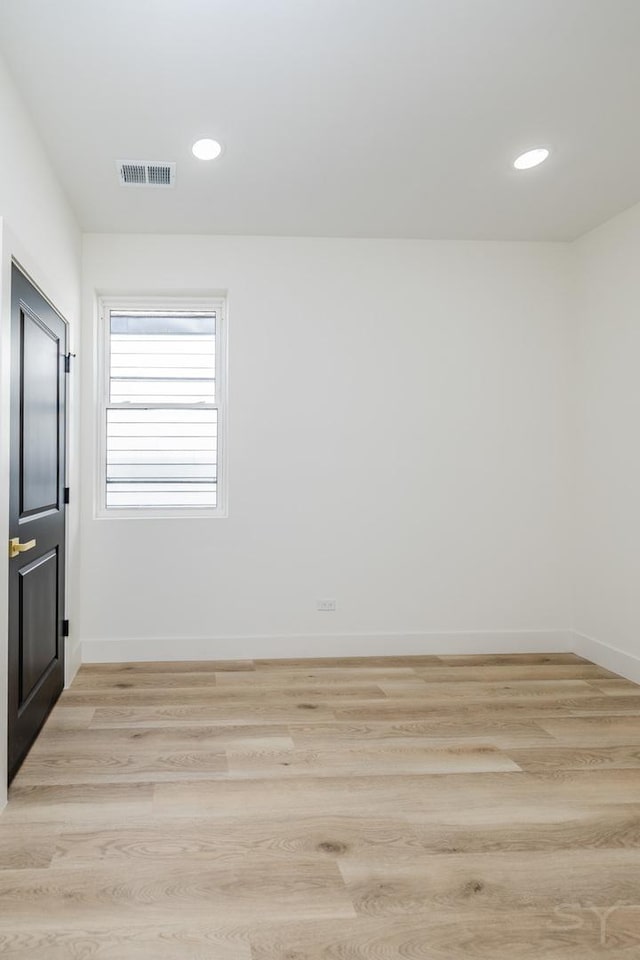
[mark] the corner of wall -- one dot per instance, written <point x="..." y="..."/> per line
<point x="606" y="396"/>
<point x="625" y="664"/>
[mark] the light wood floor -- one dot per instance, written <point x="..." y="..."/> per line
<point x="451" y="808"/>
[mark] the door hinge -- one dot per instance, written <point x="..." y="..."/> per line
<point x="67" y="362"/>
<point x="65" y="628"/>
<point x="66" y="494"/>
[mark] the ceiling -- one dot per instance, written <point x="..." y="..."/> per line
<point x="362" y="118"/>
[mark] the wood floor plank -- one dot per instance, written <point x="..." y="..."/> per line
<point x="500" y="672"/>
<point x="491" y="690"/>
<point x="368" y="759"/>
<point x="616" y="688"/>
<point x="149" y="892"/>
<point x="122" y="766"/>
<point x="310" y="676"/>
<point x="220" y="698"/>
<point x="435" y="730"/>
<point x="48" y="803"/>
<point x="68" y="718"/>
<point x="372" y="840"/>
<point x="415" y="797"/>
<point x="211" y="714"/>
<point x="182" y="737"/>
<point x="231" y="841"/>
<point x="30" y="846"/>
<point x="169" y="666"/>
<point x="509" y="659"/>
<point x="526" y="934"/>
<point x="576" y="758"/>
<point x="557" y="826"/>
<point x="505" y="881"/>
<point x="163" y="941"/>
<point x="342" y="663"/>
<point x="541" y="707"/>
<point x="99" y="680"/>
<point x="593" y="731"/>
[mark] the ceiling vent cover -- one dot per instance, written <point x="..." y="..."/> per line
<point x="146" y="173"/>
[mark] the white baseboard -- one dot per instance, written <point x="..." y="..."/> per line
<point x="607" y="656"/>
<point x="329" y="645"/>
<point x="72" y="660"/>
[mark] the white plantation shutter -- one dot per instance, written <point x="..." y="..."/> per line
<point x="162" y="410"/>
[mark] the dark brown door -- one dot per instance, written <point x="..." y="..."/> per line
<point x="36" y="514"/>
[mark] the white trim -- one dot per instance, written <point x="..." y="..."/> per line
<point x="72" y="661"/>
<point x="215" y="302"/>
<point x="326" y="645"/>
<point x="607" y="656"/>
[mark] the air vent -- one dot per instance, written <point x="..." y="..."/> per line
<point x="146" y="173"/>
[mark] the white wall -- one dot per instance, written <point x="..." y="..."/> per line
<point x="38" y="229"/>
<point x="607" y="561"/>
<point x="399" y="421"/>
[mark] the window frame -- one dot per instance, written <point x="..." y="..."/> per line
<point x="102" y="368"/>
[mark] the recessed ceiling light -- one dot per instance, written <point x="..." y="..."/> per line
<point x="206" y="149"/>
<point x="531" y="158"/>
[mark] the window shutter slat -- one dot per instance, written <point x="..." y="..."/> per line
<point x="162" y="457"/>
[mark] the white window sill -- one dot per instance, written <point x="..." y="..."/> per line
<point x="145" y="514"/>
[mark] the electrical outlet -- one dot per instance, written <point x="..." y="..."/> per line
<point x="326" y="606"/>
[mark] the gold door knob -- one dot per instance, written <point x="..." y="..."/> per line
<point x="15" y="547"/>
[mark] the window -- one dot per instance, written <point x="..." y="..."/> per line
<point x="163" y="411"/>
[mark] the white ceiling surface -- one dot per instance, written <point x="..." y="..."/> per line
<point x="362" y="118"/>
